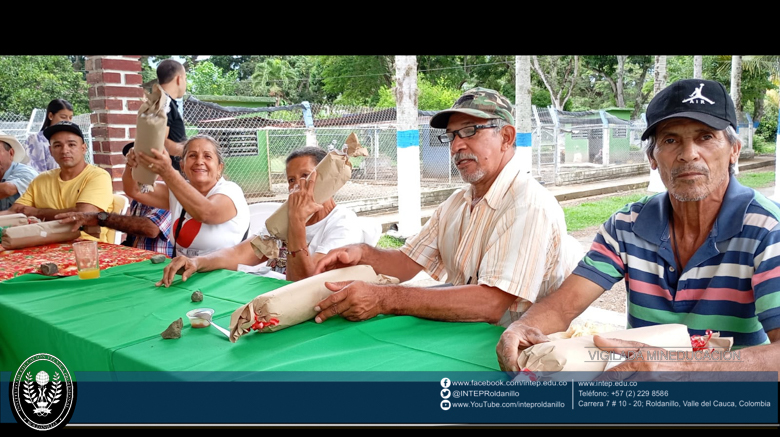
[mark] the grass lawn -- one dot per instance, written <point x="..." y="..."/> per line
<point x="388" y="242"/>
<point x="590" y="214"/>
<point x="757" y="179"/>
<point x="595" y="213"/>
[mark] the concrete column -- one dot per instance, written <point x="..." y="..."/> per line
<point x="115" y="95"/>
<point x="408" y="146"/>
<point x="523" y="125"/>
<point x="604" y="138"/>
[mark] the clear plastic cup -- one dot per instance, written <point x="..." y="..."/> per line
<point x="197" y="322"/>
<point x="87" y="259"/>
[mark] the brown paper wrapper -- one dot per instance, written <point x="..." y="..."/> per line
<point x="720" y="343"/>
<point x="265" y="246"/>
<point x="353" y="146"/>
<point x="17" y="219"/>
<point x="151" y="125"/>
<point x="36" y="234"/>
<point x="579" y="354"/>
<point x="294" y="303"/>
<point x="332" y="173"/>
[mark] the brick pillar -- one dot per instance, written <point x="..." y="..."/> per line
<point x="114" y="97"/>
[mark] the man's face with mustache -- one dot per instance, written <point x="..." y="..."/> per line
<point x="692" y="158"/>
<point x="477" y="156"/>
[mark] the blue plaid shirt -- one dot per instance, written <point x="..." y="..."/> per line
<point x="161" y="218"/>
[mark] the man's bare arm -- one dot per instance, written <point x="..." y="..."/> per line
<point x="47" y="214"/>
<point x="552" y="314"/>
<point x="390" y="262"/>
<point x="173" y="148"/>
<point x="228" y="258"/>
<point x="555" y="312"/>
<point x="765" y="358"/>
<point x="357" y="300"/>
<point x="141" y="226"/>
<point x="7" y="189"/>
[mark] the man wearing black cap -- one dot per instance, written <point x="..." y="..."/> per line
<point x="75" y="186"/>
<point x="702" y="254"/>
<point x="501" y="242"/>
<point x="147" y="227"/>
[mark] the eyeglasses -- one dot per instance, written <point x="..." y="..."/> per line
<point x="468" y="131"/>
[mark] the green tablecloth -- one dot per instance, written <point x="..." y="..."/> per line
<point x="114" y="323"/>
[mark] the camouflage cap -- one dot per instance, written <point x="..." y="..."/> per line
<point x="479" y="102"/>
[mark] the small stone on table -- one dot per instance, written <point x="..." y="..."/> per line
<point x="197" y="296"/>
<point x="49" y="269"/>
<point x="157" y="259"/>
<point x="174" y="330"/>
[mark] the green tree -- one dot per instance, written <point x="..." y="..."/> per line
<point x="28" y="82"/>
<point x="274" y="77"/>
<point x="355" y="80"/>
<point x="559" y="75"/>
<point x="207" y="78"/>
<point x="432" y="97"/>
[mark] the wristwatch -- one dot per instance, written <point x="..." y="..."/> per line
<point x="102" y="216"/>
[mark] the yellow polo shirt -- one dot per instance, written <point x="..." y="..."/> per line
<point x="93" y="186"/>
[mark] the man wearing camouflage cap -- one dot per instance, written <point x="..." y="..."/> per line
<point x="501" y="242"/>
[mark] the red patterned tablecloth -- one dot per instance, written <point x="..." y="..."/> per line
<point x="18" y="262"/>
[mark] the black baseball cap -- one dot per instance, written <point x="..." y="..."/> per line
<point x="174" y="159"/>
<point x="67" y="126"/>
<point x="706" y="101"/>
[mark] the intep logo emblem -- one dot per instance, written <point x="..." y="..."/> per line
<point x="43" y="393"/>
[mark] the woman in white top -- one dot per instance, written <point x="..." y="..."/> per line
<point x="308" y="239"/>
<point x="208" y="212"/>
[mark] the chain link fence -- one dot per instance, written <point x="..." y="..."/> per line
<point x="256" y="142"/>
<point x="22" y="126"/>
<point x="567" y="147"/>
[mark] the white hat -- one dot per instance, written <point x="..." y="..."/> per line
<point x="19" y="153"/>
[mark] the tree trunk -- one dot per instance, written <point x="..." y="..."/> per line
<point x="660" y="74"/>
<point x="641" y="97"/>
<point x="697" y="66"/>
<point x="736" y="81"/>
<point x="621" y="100"/>
<point x="550" y="80"/>
<point x="758" y="108"/>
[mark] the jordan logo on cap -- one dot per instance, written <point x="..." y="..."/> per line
<point x="696" y="97"/>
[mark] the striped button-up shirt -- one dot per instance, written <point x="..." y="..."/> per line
<point x="731" y="283"/>
<point x="20" y="175"/>
<point x="513" y="239"/>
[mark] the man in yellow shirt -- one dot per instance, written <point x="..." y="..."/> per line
<point x="74" y="187"/>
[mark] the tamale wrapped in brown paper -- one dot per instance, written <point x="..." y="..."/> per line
<point x="150" y="132"/>
<point x="712" y="341"/>
<point x="580" y="354"/>
<point x="17" y="219"/>
<point x="294" y="303"/>
<point x="332" y="173"/>
<point x="36" y="234"/>
<point x="353" y="146"/>
<point x="265" y="246"/>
